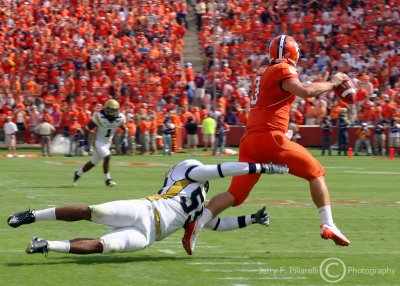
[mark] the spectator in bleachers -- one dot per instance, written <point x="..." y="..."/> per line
<point x="85" y="52"/>
<point x="199" y="83"/>
<point x="201" y="9"/>
<point x="230" y="117"/>
<point x="325" y="32"/>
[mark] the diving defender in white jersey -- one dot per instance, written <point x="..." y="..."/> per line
<point x="138" y="223"/>
<point x="106" y="123"/>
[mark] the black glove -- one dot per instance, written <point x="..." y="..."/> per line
<point x="274" y="168"/>
<point x="261" y="217"/>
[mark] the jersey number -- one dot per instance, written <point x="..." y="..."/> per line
<point x="196" y="199"/>
<point x="108" y="132"/>
<point x="254" y="96"/>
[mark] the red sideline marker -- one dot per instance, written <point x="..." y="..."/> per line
<point x="350" y="152"/>
<point x="391" y="153"/>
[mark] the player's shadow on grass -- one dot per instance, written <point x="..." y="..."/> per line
<point x="48" y="187"/>
<point x="89" y="260"/>
<point x="92" y="260"/>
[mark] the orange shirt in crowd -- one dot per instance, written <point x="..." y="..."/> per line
<point x="74" y="127"/>
<point x="145" y="126"/>
<point x="131" y="128"/>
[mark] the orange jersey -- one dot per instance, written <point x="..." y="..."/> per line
<point x="269" y="103"/>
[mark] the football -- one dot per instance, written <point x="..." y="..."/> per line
<point x="346" y="92"/>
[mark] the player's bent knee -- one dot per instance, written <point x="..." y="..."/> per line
<point x="122" y="245"/>
<point x="127" y="239"/>
<point x="114" y="245"/>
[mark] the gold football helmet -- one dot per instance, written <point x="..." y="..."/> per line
<point x="111" y="108"/>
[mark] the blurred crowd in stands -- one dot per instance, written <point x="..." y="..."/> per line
<point x="63" y="59"/>
<point x="360" y="38"/>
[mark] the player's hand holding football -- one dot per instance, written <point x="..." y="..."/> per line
<point x="261" y="217"/>
<point x="338" y="78"/>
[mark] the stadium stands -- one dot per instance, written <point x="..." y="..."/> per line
<point x="64" y="59"/>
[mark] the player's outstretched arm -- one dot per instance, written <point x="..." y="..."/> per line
<point x="294" y="86"/>
<point x="208" y="172"/>
<point x="231" y="223"/>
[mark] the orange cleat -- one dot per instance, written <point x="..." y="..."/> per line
<point x="192" y="231"/>
<point x="332" y="232"/>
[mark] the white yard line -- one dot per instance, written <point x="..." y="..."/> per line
<point x="372" y="172"/>
<point x="271" y="251"/>
<point x="167" y="251"/>
<point x="327" y="167"/>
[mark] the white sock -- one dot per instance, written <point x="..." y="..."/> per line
<point x="206" y="217"/>
<point x="80" y="172"/>
<point x="107" y="176"/>
<point x="326" y="215"/>
<point x="46" y="214"/>
<point x="59" y="246"/>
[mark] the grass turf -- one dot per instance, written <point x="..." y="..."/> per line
<point x="364" y="190"/>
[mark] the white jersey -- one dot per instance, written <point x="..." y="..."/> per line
<point x="181" y="199"/>
<point x="105" y="128"/>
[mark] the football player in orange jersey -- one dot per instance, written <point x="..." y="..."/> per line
<point x="274" y="89"/>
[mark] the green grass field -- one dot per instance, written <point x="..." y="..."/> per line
<point x="366" y="206"/>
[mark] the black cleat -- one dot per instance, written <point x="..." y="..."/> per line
<point x="38" y="245"/>
<point x="76" y="178"/>
<point x="20" y="218"/>
<point x="110" y="183"/>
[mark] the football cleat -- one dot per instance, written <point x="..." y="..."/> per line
<point x="332" y="232"/>
<point x="110" y="183"/>
<point x="20" y="218"/>
<point x="192" y="231"/>
<point x="38" y="245"/>
<point x="76" y="178"/>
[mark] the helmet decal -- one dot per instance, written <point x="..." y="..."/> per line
<point x="281" y="49"/>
